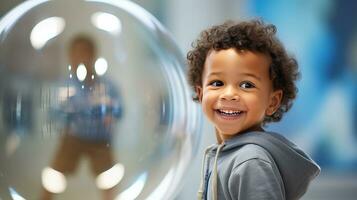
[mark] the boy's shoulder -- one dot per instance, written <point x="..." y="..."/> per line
<point x="247" y="153"/>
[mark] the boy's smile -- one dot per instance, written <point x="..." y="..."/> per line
<point x="237" y="92"/>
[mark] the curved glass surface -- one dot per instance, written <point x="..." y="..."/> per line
<point x="94" y="103"/>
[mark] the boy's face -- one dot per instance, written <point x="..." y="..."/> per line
<point x="81" y="52"/>
<point x="236" y="91"/>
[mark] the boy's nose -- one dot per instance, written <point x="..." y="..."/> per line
<point x="230" y="93"/>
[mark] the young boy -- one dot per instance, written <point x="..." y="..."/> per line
<point x="89" y="110"/>
<point x="243" y="79"/>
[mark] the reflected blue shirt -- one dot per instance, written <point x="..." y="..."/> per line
<point x="84" y="109"/>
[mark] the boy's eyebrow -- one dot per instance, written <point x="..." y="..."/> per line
<point x="252" y="75"/>
<point x="244" y="74"/>
<point x="214" y="73"/>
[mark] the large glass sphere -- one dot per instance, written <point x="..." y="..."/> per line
<point x="94" y="103"/>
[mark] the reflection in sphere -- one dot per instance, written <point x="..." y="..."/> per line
<point x="93" y="103"/>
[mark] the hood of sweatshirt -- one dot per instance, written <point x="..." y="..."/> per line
<point x="296" y="168"/>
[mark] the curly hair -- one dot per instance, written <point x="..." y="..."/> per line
<point x="255" y="36"/>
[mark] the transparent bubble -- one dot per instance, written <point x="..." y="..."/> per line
<point x="93" y="103"/>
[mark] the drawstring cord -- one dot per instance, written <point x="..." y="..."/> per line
<point x="214" y="178"/>
<point x="200" y="191"/>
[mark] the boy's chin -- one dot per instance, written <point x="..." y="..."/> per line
<point x="228" y="133"/>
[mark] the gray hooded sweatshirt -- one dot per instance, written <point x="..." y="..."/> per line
<point x="256" y="165"/>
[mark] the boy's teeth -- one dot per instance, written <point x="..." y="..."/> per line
<point x="230" y="112"/>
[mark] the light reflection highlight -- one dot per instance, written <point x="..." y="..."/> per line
<point x="140" y="13"/>
<point x="134" y="190"/>
<point x="46" y="30"/>
<point x="161" y="190"/>
<point x="106" y="22"/>
<point x="15" y="195"/>
<point x="111" y="177"/>
<point x="53" y="180"/>
<point x="101" y="66"/>
<point x="81" y="72"/>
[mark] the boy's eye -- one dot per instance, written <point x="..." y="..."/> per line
<point x="247" y="85"/>
<point x="216" y="83"/>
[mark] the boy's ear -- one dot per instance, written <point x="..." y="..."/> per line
<point x="274" y="104"/>
<point x="199" y="93"/>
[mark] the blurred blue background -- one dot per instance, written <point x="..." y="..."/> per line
<point x="322" y="34"/>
